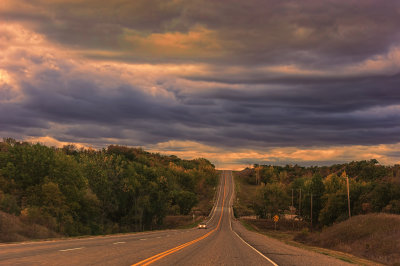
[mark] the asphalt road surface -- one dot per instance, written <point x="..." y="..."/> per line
<point x="224" y="242"/>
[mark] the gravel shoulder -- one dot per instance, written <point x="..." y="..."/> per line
<point x="284" y="254"/>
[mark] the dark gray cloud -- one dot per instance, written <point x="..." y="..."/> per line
<point x="309" y="32"/>
<point x="281" y="74"/>
<point x="314" y="33"/>
<point x="321" y="114"/>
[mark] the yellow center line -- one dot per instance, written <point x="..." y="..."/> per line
<point x="175" y="249"/>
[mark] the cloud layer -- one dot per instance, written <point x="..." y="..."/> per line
<point x="263" y="80"/>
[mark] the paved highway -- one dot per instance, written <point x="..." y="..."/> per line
<point x="224" y="242"/>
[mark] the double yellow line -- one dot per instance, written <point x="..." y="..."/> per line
<point x="175" y="249"/>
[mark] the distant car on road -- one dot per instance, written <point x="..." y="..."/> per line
<point x="202" y="226"/>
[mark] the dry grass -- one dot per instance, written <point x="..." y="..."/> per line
<point x="287" y="236"/>
<point x="13" y="229"/>
<point x="282" y="224"/>
<point x="245" y="196"/>
<point x="180" y="221"/>
<point x="372" y="236"/>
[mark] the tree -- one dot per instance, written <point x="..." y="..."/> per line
<point x="9" y="204"/>
<point x="335" y="208"/>
<point x="185" y="200"/>
<point x="90" y="192"/>
<point x="334" y="183"/>
<point x="316" y="188"/>
<point x="271" y="199"/>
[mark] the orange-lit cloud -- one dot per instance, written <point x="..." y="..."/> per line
<point x="198" y="41"/>
<point x="237" y="159"/>
<point x="240" y="158"/>
<point x="52" y="142"/>
<point x="239" y="83"/>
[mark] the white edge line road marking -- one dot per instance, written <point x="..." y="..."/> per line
<point x="84" y="238"/>
<point x="216" y="203"/>
<point x="69" y="249"/>
<point x="121" y="242"/>
<point x="265" y="257"/>
<point x="230" y="220"/>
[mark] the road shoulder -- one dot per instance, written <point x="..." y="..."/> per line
<point x="293" y="253"/>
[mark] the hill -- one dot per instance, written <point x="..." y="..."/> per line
<point x="373" y="236"/>
<point x="320" y="204"/>
<point x="74" y="191"/>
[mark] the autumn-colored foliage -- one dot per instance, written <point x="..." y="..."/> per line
<point x="373" y="188"/>
<point x="85" y="191"/>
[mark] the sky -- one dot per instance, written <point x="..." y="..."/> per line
<point x="237" y="82"/>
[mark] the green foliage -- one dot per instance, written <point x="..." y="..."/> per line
<point x="335" y="208"/>
<point x="334" y="183"/>
<point x="373" y="188"/>
<point x="8" y="203"/>
<point x="393" y="207"/>
<point x="366" y="170"/>
<point x="317" y="190"/>
<point x="185" y="200"/>
<point x="271" y="199"/>
<point x="117" y="189"/>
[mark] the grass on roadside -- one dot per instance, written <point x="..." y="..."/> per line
<point x="245" y="197"/>
<point x="374" y="236"/>
<point x="287" y="237"/>
<point x="15" y="229"/>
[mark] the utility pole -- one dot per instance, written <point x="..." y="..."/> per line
<point x="300" y="203"/>
<point x="348" y="193"/>
<point x="258" y="177"/>
<point x="344" y="174"/>
<point x="292" y="210"/>
<point x="311" y="212"/>
<point x="257" y="174"/>
<point x="292" y="197"/>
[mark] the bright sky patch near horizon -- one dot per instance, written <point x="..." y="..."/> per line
<point x="238" y="82"/>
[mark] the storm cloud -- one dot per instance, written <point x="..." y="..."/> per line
<point x="239" y="76"/>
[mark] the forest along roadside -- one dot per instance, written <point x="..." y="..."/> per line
<point x="339" y="240"/>
<point x="48" y="192"/>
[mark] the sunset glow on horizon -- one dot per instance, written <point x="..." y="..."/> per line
<point x="239" y="83"/>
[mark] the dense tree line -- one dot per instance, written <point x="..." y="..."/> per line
<point x="373" y="188"/>
<point x="85" y="191"/>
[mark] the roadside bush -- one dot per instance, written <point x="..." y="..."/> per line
<point x="303" y="235"/>
<point x="8" y="203"/>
